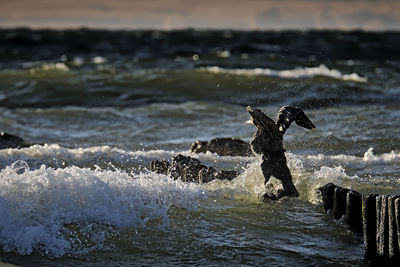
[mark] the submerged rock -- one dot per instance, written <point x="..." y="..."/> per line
<point x="160" y="166"/>
<point x="178" y="164"/>
<point x="226" y="146"/>
<point x="12" y="141"/>
<point x="189" y="169"/>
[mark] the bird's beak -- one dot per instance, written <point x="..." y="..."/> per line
<point x="305" y="122"/>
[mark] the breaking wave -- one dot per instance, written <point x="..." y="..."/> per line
<point x="297" y="73"/>
<point x="74" y="204"/>
<point x="74" y="210"/>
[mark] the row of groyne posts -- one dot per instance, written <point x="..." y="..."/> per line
<point x="375" y="217"/>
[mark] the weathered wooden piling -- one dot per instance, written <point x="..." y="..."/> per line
<point x="339" y="202"/>
<point x="354" y="211"/>
<point x="382" y="233"/>
<point x="381" y="238"/>
<point x="369" y="226"/>
<point x="343" y="202"/>
<point x="377" y="217"/>
<point x="327" y="192"/>
<point x="393" y="240"/>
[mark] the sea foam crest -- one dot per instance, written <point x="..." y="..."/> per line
<point x="59" y="157"/>
<point x="368" y="159"/>
<point x="73" y="210"/>
<point x="297" y="73"/>
<point x="249" y="185"/>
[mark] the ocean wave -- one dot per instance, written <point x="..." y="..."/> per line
<point x="105" y="157"/>
<point x="351" y="161"/>
<point x="297" y="73"/>
<point x="74" y="210"/>
<point x="56" y="156"/>
<point x="49" y="67"/>
<point x="78" y="198"/>
<point x="369" y="173"/>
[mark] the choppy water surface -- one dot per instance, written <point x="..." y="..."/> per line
<point x="102" y="104"/>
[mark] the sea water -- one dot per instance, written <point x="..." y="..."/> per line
<point x="101" y="105"/>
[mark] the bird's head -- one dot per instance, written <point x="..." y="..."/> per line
<point x="288" y="114"/>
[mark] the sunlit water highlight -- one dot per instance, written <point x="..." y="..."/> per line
<point x="101" y="111"/>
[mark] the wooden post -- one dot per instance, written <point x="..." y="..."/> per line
<point x="377" y="217"/>
<point x="339" y="202"/>
<point x="369" y="226"/>
<point x="393" y="241"/>
<point x="354" y="211"/>
<point x="327" y="192"/>
<point x="382" y="234"/>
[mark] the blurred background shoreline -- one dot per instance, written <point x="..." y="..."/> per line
<point x="224" y="14"/>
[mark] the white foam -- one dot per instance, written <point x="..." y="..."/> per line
<point x="370" y="157"/>
<point x="59" y="66"/>
<point x="297" y="73"/>
<point x="351" y="161"/>
<point x="105" y="156"/>
<point x="73" y="210"/>
<point x="249" y="185"/>
<point x="313" y="171"/>
<point x="57" y="156"/>
<point x="52" y="208"/>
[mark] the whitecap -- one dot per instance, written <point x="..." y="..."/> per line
<point x="297" y="73"/>
<point x="74" y="210"/>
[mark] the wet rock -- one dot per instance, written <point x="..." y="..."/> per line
<point x="191" y="173"/>
<point x="225" y="175"/>
<point x="206" y="175"/>
<point x="160" y="166"/>
<point x="225" y="146"/>
<point x="12" y="141"/>
<point x="178" y="164"/>
<point x="189" y="169"/>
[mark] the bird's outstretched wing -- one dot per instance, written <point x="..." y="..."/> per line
<point x="268" y="139"/>
<point x="288" y="114"/>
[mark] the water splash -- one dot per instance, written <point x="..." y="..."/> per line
<point x="74" y="210"/>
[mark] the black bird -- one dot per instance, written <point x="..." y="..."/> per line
<point x="267" y="143"/>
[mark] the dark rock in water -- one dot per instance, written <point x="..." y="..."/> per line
<point x="12" y="141"/>
<point x="226" y="146"/>
<point x="191" y="173"/>
<point x="207" y="175"/>
<point x="160" y="166"/>
<point x="179" y="163"/>
<point x="225" y="175"/>
<point x="189" y="169"/>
